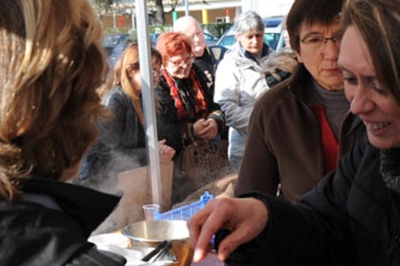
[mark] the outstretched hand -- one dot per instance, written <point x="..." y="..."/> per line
<point x="245" y="218"/>
<point x="165" y="152"/>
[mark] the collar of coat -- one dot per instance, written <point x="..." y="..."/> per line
<point x="87" y="206"/>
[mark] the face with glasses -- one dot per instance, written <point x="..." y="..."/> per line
<point x="319" y="51"/>
<point x="178" y="66"/>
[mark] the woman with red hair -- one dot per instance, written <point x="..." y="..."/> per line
<point x="187" y="109"/>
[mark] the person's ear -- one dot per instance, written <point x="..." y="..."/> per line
<point x="238" y="37"/>
<point x="299" y="59"/>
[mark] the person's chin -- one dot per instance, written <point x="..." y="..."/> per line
<point x="198" y="52"/>
<point x="382" y="142"/>
<point x="254" y="51"/>
<point x="182" y="76"/>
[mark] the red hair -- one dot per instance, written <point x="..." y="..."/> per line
<point x="170" y="44"/>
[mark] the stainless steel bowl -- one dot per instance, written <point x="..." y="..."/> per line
<point x="152" y="233"/>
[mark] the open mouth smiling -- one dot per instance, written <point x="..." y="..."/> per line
<point x="377" y="126"/>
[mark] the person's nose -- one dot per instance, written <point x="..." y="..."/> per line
<point x="254" y="40"/>
<point x="359" y="98"/>
<point x="331" y="50"/>
<point x="186" y="65"/>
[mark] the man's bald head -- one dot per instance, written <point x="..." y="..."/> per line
<point x="189" y="26"/>
<point x="183" y="23"/>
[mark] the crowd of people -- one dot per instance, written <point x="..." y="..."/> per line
<point x="314" y="133"/>
<point x="352" y="216"/>
<point x="294" y="131"/>
<point x="193" y="102"/>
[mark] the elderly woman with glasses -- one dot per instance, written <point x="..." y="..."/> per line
<point x="293" y="138"/>
<point x="187" y="109"/>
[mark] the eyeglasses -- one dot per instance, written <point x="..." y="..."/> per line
<point x="156" y="73"/>
<point x="316" y="41"/>
<point x="181" y="62"/>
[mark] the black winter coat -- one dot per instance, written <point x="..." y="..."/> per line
<point x="51" y="224"/>
<point x="169" y="125"/>
<point x="121" y="145"/>
<point x="350" y="218"/>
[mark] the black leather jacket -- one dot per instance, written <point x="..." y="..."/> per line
<point x="350" y="218"/>
<point x="50" y="225"/>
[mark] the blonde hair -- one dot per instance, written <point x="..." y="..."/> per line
<point x="51" y="64"/>
<point x="128" y="61"/>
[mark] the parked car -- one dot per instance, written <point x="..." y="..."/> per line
<point x="111" y="40"/>
<point x="154" y="38"/>
<point x="218" y="52"/>
<point x="211" y="40"/>
<point x="273" y="34"/>
<point x="117" y="50"/>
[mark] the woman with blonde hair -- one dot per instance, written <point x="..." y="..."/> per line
<point x="122" y="142"/>
<point x="48" y="105"/>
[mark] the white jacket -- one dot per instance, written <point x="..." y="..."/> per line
<point x="239" y="82"/>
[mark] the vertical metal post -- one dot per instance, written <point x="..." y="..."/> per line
<point x="133" y="17"/>
<point x="186" y="7"/>
<point x="114" y="20"/>
<point x="148" y="100"/>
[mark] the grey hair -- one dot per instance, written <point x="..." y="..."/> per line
<point x="247" y="21"/>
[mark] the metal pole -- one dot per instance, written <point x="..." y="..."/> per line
<point x="114" y="20"/>
<point x="133" y="18"/>
<point x="186" y="7"/>
<point x="148" y="100"/>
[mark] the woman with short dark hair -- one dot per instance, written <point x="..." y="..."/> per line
<point x="295" y="135"/>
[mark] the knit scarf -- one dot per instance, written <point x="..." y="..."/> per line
<point x="390" y="168"/>
<point x="190" y="99"/>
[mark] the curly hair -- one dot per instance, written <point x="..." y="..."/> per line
<point x="49" y="73"/>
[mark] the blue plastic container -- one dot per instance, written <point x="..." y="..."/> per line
<point x="185" y="212"/>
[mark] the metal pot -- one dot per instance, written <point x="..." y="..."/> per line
<point x="153" y="233"/>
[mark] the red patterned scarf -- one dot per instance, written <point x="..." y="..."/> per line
<point x="181" y="103"/>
